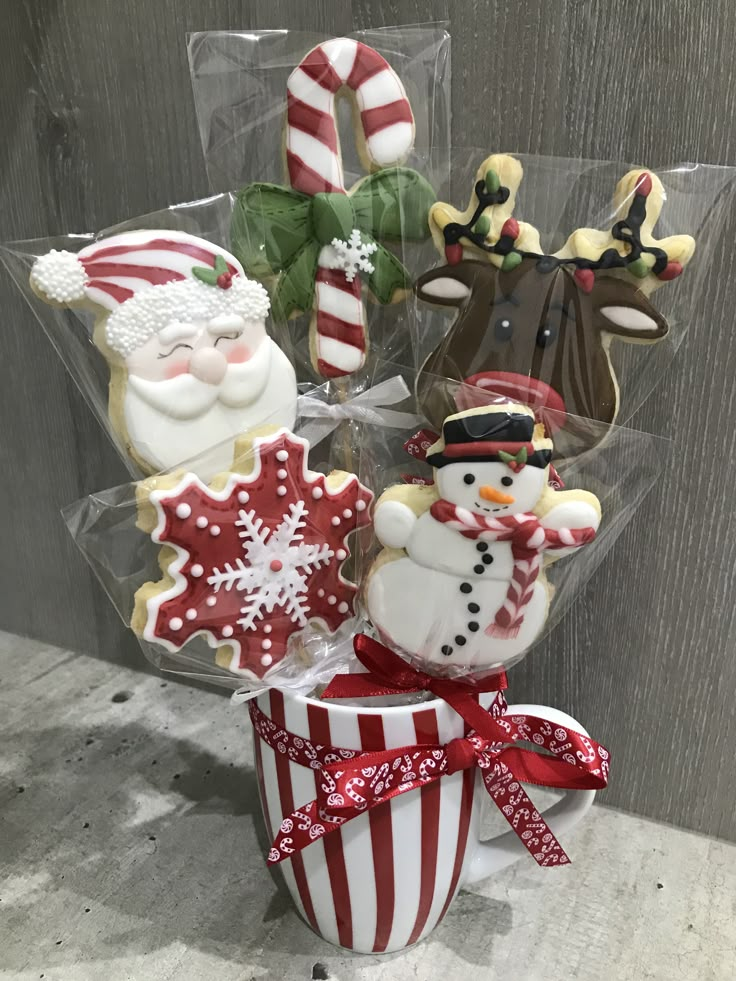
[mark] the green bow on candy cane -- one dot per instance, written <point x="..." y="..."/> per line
<point x="279" y="231"/>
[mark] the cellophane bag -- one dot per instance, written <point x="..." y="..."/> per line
<point x="247" y="578"/>
<point x="485" y="534"/>
<point x="565" y="283"/>
<point x="337" y="142"/>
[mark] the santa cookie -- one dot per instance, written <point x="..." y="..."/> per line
<point x="317" y="243"/>
<point x="184" y="332"/>
<point x="253" y="558"/>
<point x="535" y="327"/>
<point x="461" y="579"/>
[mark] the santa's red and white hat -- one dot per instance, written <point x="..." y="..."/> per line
<point x="146" y="280"/>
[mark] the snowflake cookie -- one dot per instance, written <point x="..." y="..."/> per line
<point x="253" y="558"/>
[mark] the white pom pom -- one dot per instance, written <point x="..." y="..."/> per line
<point x="59" y="277"/>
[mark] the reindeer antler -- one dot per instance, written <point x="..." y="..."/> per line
<point x="487" y="228"/>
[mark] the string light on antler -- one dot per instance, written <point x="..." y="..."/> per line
<point x="639" y="258"/>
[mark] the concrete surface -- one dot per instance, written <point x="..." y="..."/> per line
<point x="131" y="846"/>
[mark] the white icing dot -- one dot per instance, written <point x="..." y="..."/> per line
<point x="183" y="511"/>
<point x="317" y="492"/>
<point x="191" y="613"/>
<point x="332" y="600"/>
<point x="320" y="592"/>
<point x="282" y="456"/>
<point x="215" y="531"/>
<point x="360" y="505"/>
<point x="336" y="520"/>
<point x="211" y="600"/>
<point x="227" y="631"/>
<point x="347" y="513"/>
<point x="343" y="608"/>
<point x="281" y="490"/>
<point x="201" y="521"/>
<point x="197" y="570"/>
<point x="266" y="660"/>
<point x="282" y="474"/>
<point x="266" y="644"/>
<point x="176" y="623"/>
<point x="243" y="497"/>
<point x="341" y="554"/>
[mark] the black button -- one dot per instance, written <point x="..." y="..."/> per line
<point x="482" y="546"/>
<point x="480" y="569"/>
<point x="473" y="626"/>
<point x="465" y="587"/>
<point x="473" y="607"/>
<point x="446" y="650"/>
<point x="488" y="559"/>
<point x="460" y="640"/>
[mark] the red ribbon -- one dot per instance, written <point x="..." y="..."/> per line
<point x="350" y="783"/>
<point x="389" y="674"/>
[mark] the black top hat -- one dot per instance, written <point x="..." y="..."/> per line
<point x="490" y="437"/>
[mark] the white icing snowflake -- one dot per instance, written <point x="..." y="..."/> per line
<point x="278" y="563"/>
<point x="352" y="256"/>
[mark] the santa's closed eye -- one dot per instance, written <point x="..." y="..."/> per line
<point x="175" y="348"/>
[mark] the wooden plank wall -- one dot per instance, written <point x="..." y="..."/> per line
<point x="99" y="125"/>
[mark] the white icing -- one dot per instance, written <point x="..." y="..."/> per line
<point x="393" y="523"/>
<point x="446" y="288"/>
<point x="389" y="145"/>
<point x="315" y="154"/>
<point x="338" y="303"/>
<point x="59" y="276"/>
<point x="352" y="256"/>
<point x="215" y="531"/>
<point x="380" y="89"/>
<point x="630" y="318"/>
<point x="340" y="52"/>
<point x="304" y="88"/>
<point x="176" y="623"/>
<point x="343" y="356"/>
<point x="183" y="510"/>
<point x="201" y="521"/>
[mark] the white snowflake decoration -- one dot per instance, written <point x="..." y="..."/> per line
<point x="278" y="563"/>
<point x="352" y="256"/>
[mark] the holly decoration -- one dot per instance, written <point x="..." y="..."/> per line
<point x="490" y="192"/>
<point x="277" y="231"/>
<point x="515" y="461"/>
<point x="220" y="275"/>
<point x="257" y="556"/>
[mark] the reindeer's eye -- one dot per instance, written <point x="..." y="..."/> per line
<point x="546" y="335"/>
<point x="503" y="329"/>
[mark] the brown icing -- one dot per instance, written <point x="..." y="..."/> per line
<point x="535" y="323"/>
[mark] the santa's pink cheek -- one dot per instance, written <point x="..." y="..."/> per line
<point x="176" y="369"/>
<point x="238" y="354"/>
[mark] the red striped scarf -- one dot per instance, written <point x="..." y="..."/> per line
<point x="528" y="538"/>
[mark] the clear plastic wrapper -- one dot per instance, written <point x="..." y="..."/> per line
<point x="246" y="578"/>
<point x="487" y="534"/>
<point x="568" y="284"/>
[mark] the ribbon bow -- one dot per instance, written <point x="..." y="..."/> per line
<point x="368" y="407"/>
<point x="349" y="782"/>
<point x="279" y="231"/>
<point x="389" y="674"/>
<point x="514" y="461"/>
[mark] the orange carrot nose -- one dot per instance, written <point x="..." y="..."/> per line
<point x="491" y="494"/>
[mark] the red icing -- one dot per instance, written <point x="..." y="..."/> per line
<point x="488" y="387"/>
<point x="585" y="278"/>
<point x="238" y="354"/>
<point x="644" y="185"/>
<point x="510" y="228"/>
<point x="671" y="271"/>
<point x="225" y="280"/>
<point x="453" y="254"/>
<point x="308" y="556"/>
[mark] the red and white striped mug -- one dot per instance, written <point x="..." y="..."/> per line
<point x="386" y="879"/>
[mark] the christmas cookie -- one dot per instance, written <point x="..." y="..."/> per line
<point x="184" y="333"/>
<point x="316" y="243"/>
<point x="254" y="557"/>
<point x="534" y="327"/>
<point x="461" y="579"/>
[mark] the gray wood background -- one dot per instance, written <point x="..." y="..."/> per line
<point x="99" y="125"/>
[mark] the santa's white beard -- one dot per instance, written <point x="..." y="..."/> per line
<point x="184" y="419"/>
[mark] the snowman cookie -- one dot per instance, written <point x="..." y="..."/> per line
<point x="184" y="333"/>
<point x="461" y="581"/>
<point x="253" y="558"/>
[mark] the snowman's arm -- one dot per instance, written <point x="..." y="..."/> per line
<point x="577" y="509"/>
<point x="397" y="510"/>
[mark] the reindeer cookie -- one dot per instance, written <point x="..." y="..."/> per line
<point x="537" y="328"/>
<point x="317" y="243"/>
<point x="461" y="581"/>
<point x="184" y="333"/>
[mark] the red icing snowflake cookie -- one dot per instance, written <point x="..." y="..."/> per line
<point x="258" y="555"/>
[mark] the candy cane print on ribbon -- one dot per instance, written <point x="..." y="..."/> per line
<point x="318" y="238"/>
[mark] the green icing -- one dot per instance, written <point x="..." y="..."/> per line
<point x="394" y="204"/>
<point x="482" y="226"/>
<point x="493" y="181"/>
<point x="295" y="289"/>
<point x="639" y="268"/>
<point x="388" y="275"/>
<point x="269" y="226"/>
<point x="510" y="261"/>
<point x="332" y="216"/>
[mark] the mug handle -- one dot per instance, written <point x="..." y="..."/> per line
<point x="505" y="849"/>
